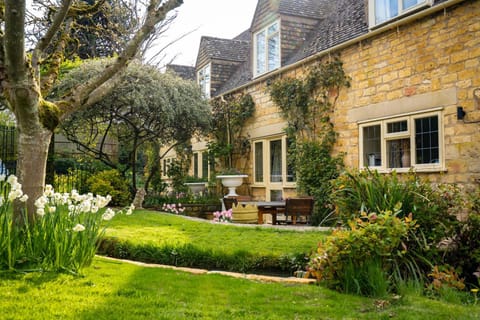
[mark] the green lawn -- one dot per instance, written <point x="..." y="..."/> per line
<point x="167" y="229"/>
<point x="156" y="237"/>
<point x="115" y="290"/>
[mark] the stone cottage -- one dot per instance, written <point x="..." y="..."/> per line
<point x="414" y="100"/>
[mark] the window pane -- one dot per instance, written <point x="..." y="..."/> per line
<point x="399" y="126"/>
<point x="427" y="148"/>
<point x="410" y="3"/>
<point x="372" y="153"/>
<point x="276" y="161"/>
<point x="205" y="165"/>
<point x="385" y="9"/>
<point x="260" y="47"/>
<point x="272" y="29"/>
<point x="195" y="165"/>
<point x="291" y="174"/>
<point x="258" y="161"/>
<point x="276" y="195"/>
<point x="273" y="52"/>
<point x="398" y="153"/>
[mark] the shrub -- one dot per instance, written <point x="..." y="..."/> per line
<point x="433" y="207"/>
<point x="109" y="182"/>
<point x="464" y="253"/>
<point x="364" y="259"/>
<point x="191" y="255"/>
<point x="316" y="168"/>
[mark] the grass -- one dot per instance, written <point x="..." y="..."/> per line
<point x="168" y="229"/>
<point x="116" y="290"/>
<point x="170" y="239"/>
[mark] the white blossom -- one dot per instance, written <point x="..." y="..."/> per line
<point x="41" y="212"/>
<point x="14" y="194"/>
<point x="130" y="210"/>
<point x="108" y="214"/>
<point x="2" y="177"/>
<point x="24" y="198"/>
<point x="12" y="179"/>
<point x="48" y="190"/>
<point x="52" y="209"/>
<point x="78" y="228"/>
<point x="41" y="202"/>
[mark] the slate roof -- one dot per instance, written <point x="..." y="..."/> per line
<point x="245" y="36"/>
<point x="224" y="49"/>
<point x="304" y="8"/>
<point x="339" y="21"/>
<point x="346" y="20"/>
<point x="184" y="72"/>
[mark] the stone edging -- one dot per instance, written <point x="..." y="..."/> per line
<point x="253" y="277"/>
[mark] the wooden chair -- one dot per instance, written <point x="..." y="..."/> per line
<point x="229" y="202"/>
<point x="298" y="207"/>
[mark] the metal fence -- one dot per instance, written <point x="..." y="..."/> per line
<point x="75" y="178"/>
<point x="8" y="150"/>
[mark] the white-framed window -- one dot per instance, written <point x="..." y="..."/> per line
<point x="381" y="11"/>
<point x="203" y="78"/>
<point x="270" y="165"/>
<point x="201" y="165"/>
<point x="267" y="49"/>
<point x="166" y="165"/>
<point x="400" y="143"/>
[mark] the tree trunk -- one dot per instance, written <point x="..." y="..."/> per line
<point x="31" y="164"/>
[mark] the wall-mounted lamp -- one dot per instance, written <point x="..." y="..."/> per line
<point x="460" y="113"/>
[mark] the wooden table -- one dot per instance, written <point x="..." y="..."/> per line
<point x="266" y="207"/>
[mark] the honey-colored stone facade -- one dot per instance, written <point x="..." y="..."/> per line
<point x="429" y="63"/>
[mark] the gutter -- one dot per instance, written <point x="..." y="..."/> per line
<point x="340" y="46"/>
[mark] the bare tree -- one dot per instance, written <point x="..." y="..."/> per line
<point x="24" y="88"/>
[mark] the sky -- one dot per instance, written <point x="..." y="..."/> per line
<point x="215" y="18"/>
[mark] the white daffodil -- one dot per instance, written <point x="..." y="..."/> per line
<point x="41" y="212"/>
<point x="12" y="179"/>
<point x="108" y="214"/>
<point x="41" y="202"/>
<point x="24" y="198"/>
<point x="48" y="190"/>
<point x="14" y="194"/>
<point x="78" y="228"/>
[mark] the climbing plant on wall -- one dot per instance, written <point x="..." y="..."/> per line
<point x="307" y="104"/>
<point x="229" y="116"/>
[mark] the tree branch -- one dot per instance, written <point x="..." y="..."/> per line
<point x="55" y="27"/>
<point x="14" y="41"/>
<point x="94" y="90"/>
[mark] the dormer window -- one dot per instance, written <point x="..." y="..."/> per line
<point x="203" y="78"/>
<point x="267" y="49"/>
<point x="381" y="11"/>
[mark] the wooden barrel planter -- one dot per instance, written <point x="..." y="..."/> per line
<point x="245" y="213"/>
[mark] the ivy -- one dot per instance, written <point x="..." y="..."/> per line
<point x="307" y="104"/>
<point x="229" y="116"/>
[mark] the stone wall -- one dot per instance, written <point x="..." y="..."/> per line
<point x="431" y="62"/>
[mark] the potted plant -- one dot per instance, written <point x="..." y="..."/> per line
<point x="231" y="179"/>
<point x="195" y="184"/>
